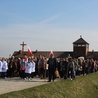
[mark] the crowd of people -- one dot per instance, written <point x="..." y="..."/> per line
<point x="43" y="67"/>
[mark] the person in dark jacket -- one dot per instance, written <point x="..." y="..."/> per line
<point x="51" y="67"/>
<point x="70" y="68"/>
<point x="65" y="64"/>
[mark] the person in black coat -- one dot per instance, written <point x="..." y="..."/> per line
<point x="65" y="64"/>
<point x="52" y="67"/>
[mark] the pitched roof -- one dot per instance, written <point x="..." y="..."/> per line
<point x="80" y="41"/>
<point x="45" y="53"/>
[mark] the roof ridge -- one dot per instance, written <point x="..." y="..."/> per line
<point x="80" y="41"/>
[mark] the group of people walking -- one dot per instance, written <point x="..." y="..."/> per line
<point x="71" y="67"/>
<point x="28" y="67"/>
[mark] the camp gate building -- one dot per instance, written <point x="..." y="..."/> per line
<point x="80" y="48"/>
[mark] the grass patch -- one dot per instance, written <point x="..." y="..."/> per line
<point x="81" y="87"/>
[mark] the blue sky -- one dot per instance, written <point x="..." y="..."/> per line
<point x="47" y="24"/>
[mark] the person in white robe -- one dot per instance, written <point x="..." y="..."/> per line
<point x="28" y="69"/>
<point x="4" y="68"/>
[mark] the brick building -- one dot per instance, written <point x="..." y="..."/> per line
<point x="80" y="48"/>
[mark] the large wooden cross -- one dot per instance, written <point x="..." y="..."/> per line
<point x="23" y="44"/>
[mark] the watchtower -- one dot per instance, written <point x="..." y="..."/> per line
<point x="80" y="47"/>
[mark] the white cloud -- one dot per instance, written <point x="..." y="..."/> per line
<point x="52" y="18"/>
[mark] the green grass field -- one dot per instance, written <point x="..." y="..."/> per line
<point x="81" y="87"/>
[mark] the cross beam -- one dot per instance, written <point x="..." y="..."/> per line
<point x="23" y="44"/>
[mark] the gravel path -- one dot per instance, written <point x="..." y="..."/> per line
<point x="15" y="84"/>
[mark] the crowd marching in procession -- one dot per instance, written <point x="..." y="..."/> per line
<point x="29" y="67"/>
